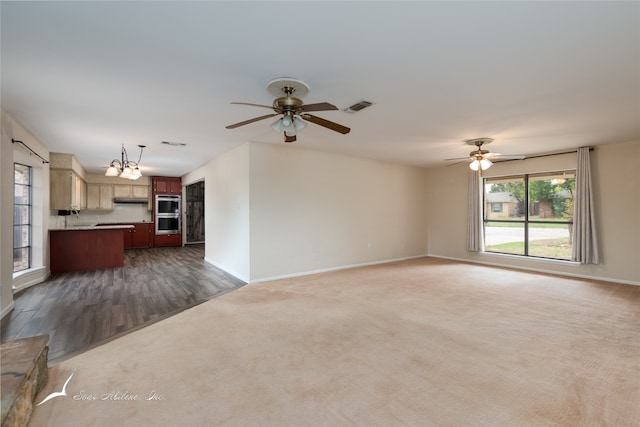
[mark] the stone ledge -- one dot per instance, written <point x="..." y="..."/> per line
<point x="24" y="374"/>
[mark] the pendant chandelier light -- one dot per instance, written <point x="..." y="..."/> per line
<point x="125" y="168"/>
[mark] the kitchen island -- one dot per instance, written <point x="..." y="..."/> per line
<point x="86" y="248"/>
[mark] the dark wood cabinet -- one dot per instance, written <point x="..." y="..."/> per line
<point x="138" y="237"/>
<point x="127" y="234"/>
<point x="90" y="249"/>
<point x="160" y="185"/>
<point x="167" y="240"/>
<point x="166" y="185"/>
<point x="175" y="187"/>
<point x="142" y="235"/>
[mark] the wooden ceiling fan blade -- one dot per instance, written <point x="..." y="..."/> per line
<point x="498" y="157"/>
<point x="288" y="138"/>
<point x="246" y="122"/>
<point x="326" y="123"/>
<point x="458" y="158"/>
<point x="253" y="105"/>
<point x="320" y="106"/>
<point x="458" y="162"/>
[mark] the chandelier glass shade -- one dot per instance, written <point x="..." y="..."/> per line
<point x="123" y="167"/>
<point x="290" y="124"/>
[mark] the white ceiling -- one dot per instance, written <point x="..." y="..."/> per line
<point x="86" y="77"/>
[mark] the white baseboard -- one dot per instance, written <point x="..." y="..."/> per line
<point x="306" y="273"/>
<point x="541" y="270"/>
<point x="7" y="309"/>
<point x="226" y="270"/>
<point x="325" y="270"/>
<point x="30" y="278"/>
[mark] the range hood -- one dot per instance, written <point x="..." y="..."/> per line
<point x="131" y="200"/>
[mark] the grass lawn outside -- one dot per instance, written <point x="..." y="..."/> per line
<point x="548" y="248"/>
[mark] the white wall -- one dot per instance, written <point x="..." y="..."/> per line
<point x="194" y="176"/>
<point x="227" y="212"/>
<point x="6" y="217"/>
<point x="281" y="210"/>
<point x="314" y="211"/>
<point x="10" y="153"/>
<point x="616" y="179"/>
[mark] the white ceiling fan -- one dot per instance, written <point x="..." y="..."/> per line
<point x="480" y="159"/>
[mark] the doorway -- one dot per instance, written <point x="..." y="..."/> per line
<point x="195" y="212"/>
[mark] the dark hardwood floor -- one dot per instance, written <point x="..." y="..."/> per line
<point x="83" y="309"/>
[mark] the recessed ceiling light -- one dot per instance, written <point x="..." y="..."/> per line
<point x="175" y="144"/>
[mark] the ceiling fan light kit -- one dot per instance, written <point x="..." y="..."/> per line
<point x="292" y="108"/>
<point x="480" y="159"/>
<point x="479" y="156"/>
<point x="289" y="125"/>
<point x="482" y="164"/>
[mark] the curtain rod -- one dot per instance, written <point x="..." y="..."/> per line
<point x="545" y="155"/>
<point x="29" y="148"/>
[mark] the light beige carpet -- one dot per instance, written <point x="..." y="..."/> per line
<point x="424" y="342"/>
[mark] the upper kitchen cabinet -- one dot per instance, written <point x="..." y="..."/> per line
<point x="167" y="185"/>
<point x="132" y="191"/>
<point x="122" y="191"/>
<point x="102" y="190"/>
<point x="66" y="183"/>
<point x="140" y="191"/>
<point x="67" y="190"/>
<point x="100" y="197"/>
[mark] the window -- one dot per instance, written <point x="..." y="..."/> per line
<point x="536" y="215"/>
<point x="22" y="213"/>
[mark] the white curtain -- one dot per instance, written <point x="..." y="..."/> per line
<point x="475" y="229"/>
<point x="585" y="242"/>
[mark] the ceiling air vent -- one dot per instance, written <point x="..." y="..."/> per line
<point x="358" y="106"/>
<point x="175" y="144"/>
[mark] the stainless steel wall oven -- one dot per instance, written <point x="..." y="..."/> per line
<point x="168" y="214"/>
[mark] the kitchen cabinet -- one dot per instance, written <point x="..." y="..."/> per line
<point x="137" y="235"/>
<point x="122" y="191"/>
<point x="92" y="248"/>
<point x="140" y="191"/>
<point x="167" y="240"/>
<point x="81" y="187"/>
<point x="127" y="236"/>
<point x="131" y="191"/>
<point x="167" y="185"/>
<point x="67" y="190"/>
<point x="142" y="235"/>
<point x="100" y="197"/>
